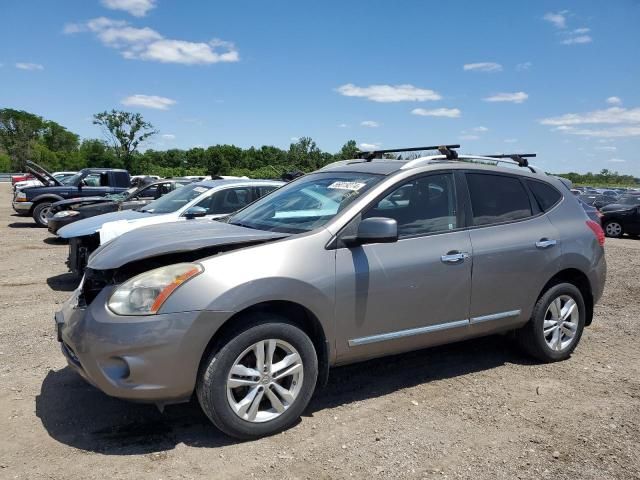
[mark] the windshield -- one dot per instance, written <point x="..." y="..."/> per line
<point x="72" y="180"/>
<point x="305" y="204"/>
<point x="178" y="198"/>
<point x="630" y="200"/>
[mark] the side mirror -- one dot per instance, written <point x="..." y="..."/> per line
<point x="374" y="230"/>
<point x="195" y="212"/>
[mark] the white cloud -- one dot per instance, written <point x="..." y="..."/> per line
<point x="614" y="101"/>
<point x="148" y="101"/>
<point x="343" y="125"/>
<point x="370" y="124"/>
<point x="510" y="140"/>
<point x="617" y="160"/>
<point x="369" y="146"/>
<point x="29" y="66"/>
<point x="612" y="115"/>
<point x="469" y="137"/>
<point x="482" y="67"/>
<point x="437" y="112"/>
<point x="294" y="139"/>
<point x="558" y="19"/>
<point x="168" y="136"/>
<point x="516" y="97"/>
<point x="581" y="31"/>
<point x="137" y="8"/>
<point x="389" y="93"/>
<point x="521" y="67"/>
<point x="581" y="39"/>
<point x="480" y="129"/>
<point x="613" y="132"/>
<point x="607" y="148"/>
<point x="147" y="44"/>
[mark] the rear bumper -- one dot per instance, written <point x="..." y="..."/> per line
<point x="152" y="359"/>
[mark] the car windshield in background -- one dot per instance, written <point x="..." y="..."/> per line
<point x="629" y="200"/>
<point x="175" y="200"/>
<point x="72" y="180"/>
<point x="305" y="204"/>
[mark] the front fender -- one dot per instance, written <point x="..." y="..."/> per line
<point x="48" y="197"/>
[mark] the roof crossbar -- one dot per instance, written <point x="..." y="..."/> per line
<point x="370" y="155"/>
<point x="519" y="158"/>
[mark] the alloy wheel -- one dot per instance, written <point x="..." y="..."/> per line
<point x="265" y="380"/>
<point x="613" y="229"/>
<point x="561" y="323"/>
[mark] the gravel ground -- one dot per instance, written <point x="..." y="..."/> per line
<point x="477" y="410"/>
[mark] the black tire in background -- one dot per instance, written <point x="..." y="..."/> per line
<point x="211" y="388"/>
<point x="531" y="337"/>
<point x="40" y="213"/>
<point x="613" y="229"/>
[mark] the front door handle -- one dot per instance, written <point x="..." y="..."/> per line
<point x="454" y="257"/>
<point x="545" y="243"/>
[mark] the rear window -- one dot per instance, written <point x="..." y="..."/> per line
<point x="497" y="199"/>
<point x="545" y="194"/>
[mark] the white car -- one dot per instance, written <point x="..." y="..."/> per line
<point x="209" y="199"/>
<point x="37" y="183"/>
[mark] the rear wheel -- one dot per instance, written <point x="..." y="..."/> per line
<point x="260" y="381"/>
<point x="41" y="213"/>
<point x="556" y="324"/>
<point x="613" y="229"/>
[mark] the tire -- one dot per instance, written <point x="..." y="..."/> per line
<point x="613" y="229"/>
<point x="532" y="337"/>
<point x="40" y="212"/>
<point x="216" y="396"/>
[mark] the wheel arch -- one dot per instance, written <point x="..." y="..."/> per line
<point x="581" y="282"/>
<point x="294" y="312"/>
<point x="45" y="197"/>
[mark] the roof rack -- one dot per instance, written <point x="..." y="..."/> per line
<point x="447" y="150"/>
<point x="519" y="158"/>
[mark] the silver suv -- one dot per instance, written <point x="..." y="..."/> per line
<point x="360" y="259"/>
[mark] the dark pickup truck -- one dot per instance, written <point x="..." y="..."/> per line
<point x="88" y="182"/>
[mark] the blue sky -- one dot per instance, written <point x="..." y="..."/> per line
<point x="560" y="78"/>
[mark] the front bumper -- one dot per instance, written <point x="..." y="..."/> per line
<point x="151" y="359"/>
<point x="56" y="223"/>
<point x="22" y="208"/>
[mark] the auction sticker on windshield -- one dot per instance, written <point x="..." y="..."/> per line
<point x="200" y="189"/>
<point x="353" y="186"/>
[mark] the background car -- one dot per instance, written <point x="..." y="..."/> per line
<point x="597" y="200"/>
<point x="616" y="223"/>
<point x="623" y="203"/>
<point x="65" y="212"/>
<point x="34" y="182"/>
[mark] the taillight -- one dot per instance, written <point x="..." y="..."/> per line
<point x="597" y="231"/>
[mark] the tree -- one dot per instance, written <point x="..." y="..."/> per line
<point x="305" y="154"/>
<point x="125" y="131"/>
<point x="348" y="151"/>
<point x="19" y="131"/>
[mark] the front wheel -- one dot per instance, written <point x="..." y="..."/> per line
<point x="556" y="324"/>
<point x="260" y="381"/>
<point x="613" y="229"/>
<point x="41" y="213"/>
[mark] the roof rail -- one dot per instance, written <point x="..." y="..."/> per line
<point x="519" y="158"/>
<point x="370" y="155"/>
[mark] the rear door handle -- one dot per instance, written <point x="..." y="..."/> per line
<point x="454" y="257"/>
<point x="545" y="243"/>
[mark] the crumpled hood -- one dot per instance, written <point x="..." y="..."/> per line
<point x="174" y="237"/>
<point x="89" y="226"/>
<point x="79" y="200"/>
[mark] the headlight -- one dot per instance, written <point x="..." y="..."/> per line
<point x="66" y="213"/>
<point x="146" y="293"/>
<point x="21" y="197"/>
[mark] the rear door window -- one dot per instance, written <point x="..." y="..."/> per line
<point x="545" y="194"/>
<point x="497" y="198"/>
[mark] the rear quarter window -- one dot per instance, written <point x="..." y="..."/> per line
<point x="497" y="198"/>
<point x="546" y="195"/>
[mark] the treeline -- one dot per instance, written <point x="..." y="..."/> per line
<point x="606" y="178"/>
<point x="25" y="136"/>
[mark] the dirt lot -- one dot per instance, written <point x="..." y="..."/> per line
<point x="475" y="410"/>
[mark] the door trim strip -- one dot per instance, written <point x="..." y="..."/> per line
<point x="495" y="316"/>
<point x="383" y="337"/>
